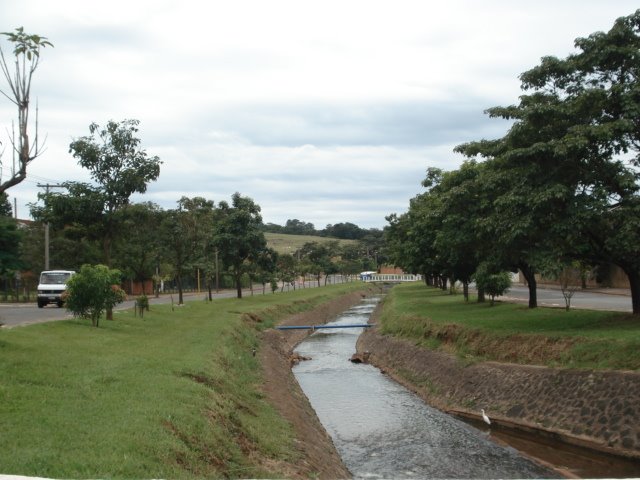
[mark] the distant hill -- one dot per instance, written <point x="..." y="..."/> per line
<point x="285" y="243"/>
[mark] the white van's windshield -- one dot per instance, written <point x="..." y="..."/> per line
<point x="51" y="278"/>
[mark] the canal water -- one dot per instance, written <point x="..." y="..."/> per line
<point x="383" y="430"/>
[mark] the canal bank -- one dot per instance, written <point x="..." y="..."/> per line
<point x="597" y="410"/>
<point x="319" y="458"/>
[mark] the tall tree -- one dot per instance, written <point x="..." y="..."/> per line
<point x="601" y="82"/>
<point x="10" y="241"/>
<point x="26" y="53"/>
<point x="346" y="230"/>
<point x="297" y="227"/>
<point x="373" y="247"/>
<point x="176" y="244"/>
<point x="459" y="242"/>
<point x="120" y="168"/>
<point x="317" y="258"/>
<point x="74" y="219"/>
<point x="198" y="224"/>
<point x="287" y="268"/>
<point x="137" y="255"/>
<point x="265" y="267"/>
<point x="569" y="186"/>
<point x="410" y="237"/>
<point x="238" y="236"/>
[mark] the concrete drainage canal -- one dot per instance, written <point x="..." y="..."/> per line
<point x="381" y="429"/>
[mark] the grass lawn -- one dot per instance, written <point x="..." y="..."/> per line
<point x="173" y="395"/>
<point x="513" y="332"/>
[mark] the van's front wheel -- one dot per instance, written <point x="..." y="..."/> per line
<point x="41" y="304"/>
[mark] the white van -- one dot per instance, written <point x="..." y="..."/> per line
<point x="52" y="285"/>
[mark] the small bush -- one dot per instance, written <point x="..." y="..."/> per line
<point x="143" y="302"/>
<point x="91" y="291"/>
<point x="494" y="284"/>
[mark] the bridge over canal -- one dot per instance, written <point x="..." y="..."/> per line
<point x="389" y="277"/>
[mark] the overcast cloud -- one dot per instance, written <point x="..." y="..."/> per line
<point x="325" y="111"/>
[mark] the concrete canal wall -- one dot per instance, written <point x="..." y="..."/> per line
<point x="595" y="409"/>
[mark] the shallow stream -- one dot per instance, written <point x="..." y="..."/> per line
<point x="383" y="430"/>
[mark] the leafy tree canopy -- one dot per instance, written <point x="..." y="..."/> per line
<point x="5" y="205"/>
<point x="116" y="162"/>
<point x="10" y="240"/>
<point x="119" y="167"/>
<point x="237" y="234"/>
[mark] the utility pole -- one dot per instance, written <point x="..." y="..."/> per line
<point x="47" y="186"/>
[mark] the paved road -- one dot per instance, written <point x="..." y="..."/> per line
<point x="616" y="300"/>
<point x="13" y="314"/>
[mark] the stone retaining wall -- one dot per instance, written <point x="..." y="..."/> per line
<point x="590" y="408"/>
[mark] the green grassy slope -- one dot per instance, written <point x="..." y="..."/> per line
<point x="513" y="332"/>
<point x="285" y="243"/>
<point x="173" y="395"/>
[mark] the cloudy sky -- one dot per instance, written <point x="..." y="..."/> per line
<point x="325" y="111"/>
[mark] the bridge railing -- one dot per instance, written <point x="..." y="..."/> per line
<point x="391" y="277"/>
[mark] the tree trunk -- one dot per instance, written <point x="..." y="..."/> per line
<point x="530" y="277"/>
<point x="481" y="298"/>
<point x="180" y="297"/>
<point x="238" y="276"/>
<point x="634" y="282"/>
<point x="465" y="290"/>
<point x="107" y="261"/>
<point x="106" y="250"/>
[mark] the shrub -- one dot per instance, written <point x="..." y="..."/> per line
<point x="91" y="291"/>
<point x="142" y="304"/>
<point x="494" y="284"/>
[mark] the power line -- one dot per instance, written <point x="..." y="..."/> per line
<point x="41" y="179"/>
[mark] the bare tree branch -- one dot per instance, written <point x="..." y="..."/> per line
<point x="27" y="56"/>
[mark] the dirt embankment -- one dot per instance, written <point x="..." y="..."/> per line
<point x="596" y="409"/>
<point x="319" y="456"/>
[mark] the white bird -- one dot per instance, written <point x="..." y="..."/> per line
<point x="485" y="418"/>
